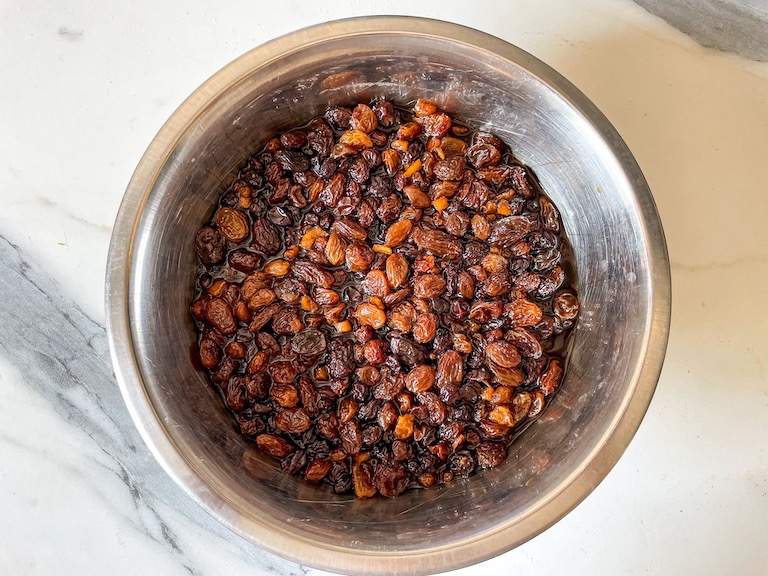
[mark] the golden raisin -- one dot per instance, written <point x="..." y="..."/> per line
<point x="501" y="415"/>
<point x="396" y="270"/>
<point x="429" y="286"/>
<point x="416" y="197"/>
<point x="503" y="353"/>
<point x="232" y="224"/>
<point x="364" y="119"/>
<point x="424" y="108"/>
<point x="525" y="313"/>
<point x="262" y="298"/>
<point x="392" y="160"/>
<point x="400" y="145"/>
<point x="277" y="268"/>
<point x="335" y="249"/>
<point x="425" y="327"/>
<point x="356" y="139"/>
<point x="375" y="283"/>
<point x="397" y="233"/>
<point x="408" y="131"/>
<point x="550" y="379"/>
<point x="370" y="315"/>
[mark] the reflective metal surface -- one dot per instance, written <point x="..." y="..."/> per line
<point x="582" y="163"/>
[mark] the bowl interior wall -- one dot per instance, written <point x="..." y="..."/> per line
<point x="574" y="167"/>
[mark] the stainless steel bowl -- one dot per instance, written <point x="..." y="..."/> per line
<point x="608" y="213"/>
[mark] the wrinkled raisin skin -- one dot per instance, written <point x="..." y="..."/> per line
<point x="382" y="298"/>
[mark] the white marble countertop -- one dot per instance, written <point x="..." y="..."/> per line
<point x="84" y="88"/>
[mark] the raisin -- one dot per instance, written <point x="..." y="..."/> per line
<point x="482" y="155"/>
<point x="365" y="301"/>
<point x="266" y="238"/>
<point x="397" y="233"/>
<point x="376" y="284"/>
<point x="209" y="245"/>
<point x="359" y="257"/>
<point x="232" y="224"/>
<point x="450" y="169"/>
<point x="294" y="139"/>
<point x="429" y="286"/>
<point x="490" y="454"/>
<point x="420" y="379"/>
<point x="370" y="315"/>
<point x="235" y="394"/>
<point x="407" y="351"/>
<point x="396" y="270"/>
<point x="390" y="479"/>
<point x="450" y="370"/>
<point x="550" y="379"/>
<point x="437" y="242"/>
<point x="309" y="343"/>
<point x="219" y="314"/>
<point x="565" y="305"/>
<point x="351" y="437"/>
<point x="416" y="197"/>
<point x="520" y="182"/>
<point x="287" y="321"/>
<point x="338" y="117"/>
<point x="292" y="421"/>
<point x="503" y="353"/>
<point x="340" y="358"/>
<point x="362" y="476"/>
<point x="425" y="328"/>
<point x="524" y="313"/>
<point x="312" y="274"/>
<point x="210" y="353"/>
<point x="317" y="470"/>
<point x="244" y="260"/>
<point x="408" y="131"/>
<point x="275" y="446"/>
<point x="363" y="118"/>
<point x="292" y="160"/>
<point x="385" y="112"/>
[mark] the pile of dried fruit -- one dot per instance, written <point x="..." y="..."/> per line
<point x="383" y="299"/>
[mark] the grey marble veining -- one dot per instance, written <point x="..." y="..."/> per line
<point x="63" y="356"/>
<point x="739" y="26"/>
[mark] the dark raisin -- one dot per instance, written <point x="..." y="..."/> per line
<point x="209" y="245"/>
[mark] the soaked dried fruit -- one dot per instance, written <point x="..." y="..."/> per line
<point x="425" y="327"/>
<point x="219" y="315"/>
<point x="397" y="233"/>
<point x="396" y="270"/>
<point x="550" y="379"/>
<point x="209" y="245"/>
<point x="420" y="379"/>
<point x="437" y="242"/>
<point x="232" y="224"/>
<point x="376" y="283"/>
<point x="317" y="470"/>
<point x="370" y="315"/>
<point x="503" y="353"/>
<point x="405" y="287"/>
<point x="275" y="446"/>
<point x="292" y="421"/>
